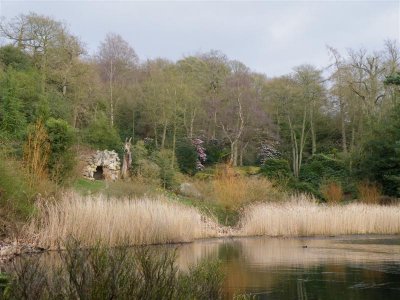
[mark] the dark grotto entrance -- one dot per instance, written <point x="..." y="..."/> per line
<point x="98" y="175"/>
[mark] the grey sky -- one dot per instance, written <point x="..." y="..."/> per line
<point x="268" y="36"/>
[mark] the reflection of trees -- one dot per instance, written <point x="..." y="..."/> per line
<point x="280" y="268"/>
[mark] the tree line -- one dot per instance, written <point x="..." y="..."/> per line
<point x="241" y="117"/>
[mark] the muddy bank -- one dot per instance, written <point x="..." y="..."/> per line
<point x="8" y="251"/>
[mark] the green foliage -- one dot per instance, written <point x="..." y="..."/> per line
<point x="12" y="117"/>
<point x="321" y="168"/>
<point x="304" y="187"/>
<point x="393" y="79"/>
<point x="4" y="283"/>
<point x="166" y="160"/>
<point x="217" y="152"/>
<point x="15" y="193"/>
<point x="380" y="160"/>
<point x="88" y="187"/>
<point x="62" y="159"/>
<point x="139" y="152"/>
<point x="101" y="135"/>
<point x="187" y="156"/>
<point x="276" y="169"/>
<point x="11" y="56"/>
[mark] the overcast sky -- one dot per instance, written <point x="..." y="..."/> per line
<point x="268" y="36"/>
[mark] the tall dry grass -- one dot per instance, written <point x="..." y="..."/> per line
<point x="36" y="153"/>
<point x="117" y="221"/>
<point x="303" y="216"/>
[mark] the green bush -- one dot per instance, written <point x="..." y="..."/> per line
<point x="166" y="160"/>
<point x="11" y="56"/>
<point x="101" y="135"/>
<point x="276" y="169"/>
<point x="380" y="159"/>
<point x="217" y="152"/>
<point x="304" y="187"/>
<point x="12" y="116"/>
<point x="15" y="193"/>
<point x="62" y="158"/>
<point x="186" y="156"/>
<point x="321" y="168"/>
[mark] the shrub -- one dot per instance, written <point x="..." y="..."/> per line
<point x="62" y="159"/>
<point x="186" y="156"/>
<point x="12" y="117"/>
<point x="101" y="135"/>
<point x="368" y="192"/>
<point x="233" y="190"/>
<point x="14" y="57"/>
<point x="304" y="187"/>
<point x="332" y="192"/>
<point x="379" y="160"/>
<point x="166" y="161"/>
<point x="15" y="192"/>
<point x="217" y="151"/>
<point x="322" y="167"/>
<point x="276" y="169"/>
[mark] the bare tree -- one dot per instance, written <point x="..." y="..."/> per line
<point x="116" y="59"/>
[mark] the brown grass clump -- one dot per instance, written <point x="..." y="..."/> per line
<point x="115" y="221"/>
<point x="332" y="192"/>
<point x="233" y="190"/>
<point x="368" y="193"/>
<point x="36" y="153"/>
<point x="303" y="216"/>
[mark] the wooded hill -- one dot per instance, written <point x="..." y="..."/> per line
<point x="340" y="123"/>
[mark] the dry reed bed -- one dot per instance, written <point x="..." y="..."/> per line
<point x="301" y="216"/>
<point x="115" y="222"/>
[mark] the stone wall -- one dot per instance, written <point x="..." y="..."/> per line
<point x="107" y="161"/>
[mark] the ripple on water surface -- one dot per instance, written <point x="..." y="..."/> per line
<point x="350" y="267"/>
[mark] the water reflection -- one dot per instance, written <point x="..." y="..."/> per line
<point x="356" y="267"/>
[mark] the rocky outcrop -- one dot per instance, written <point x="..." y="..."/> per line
<point x="102" y="165"/>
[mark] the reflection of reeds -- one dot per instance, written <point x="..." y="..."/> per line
<point x="304" y="217"/>
<point x="93" y="219"/>
<point x="278" y="252"/>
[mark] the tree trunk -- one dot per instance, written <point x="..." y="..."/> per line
<point x="111" y="95"/>
<point x="133" y="127"/>
<point x="193" y="116"/>
<point x="313" y="133"/>
<point x="164" y="134"/>
<point x="173" y="146"/>
<point x="155" y="135"/>
<point x="343" y="125"/>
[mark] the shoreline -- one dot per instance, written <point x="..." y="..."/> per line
<point x="10" y="251"/>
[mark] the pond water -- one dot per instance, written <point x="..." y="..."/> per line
<point x="352" y="267"/>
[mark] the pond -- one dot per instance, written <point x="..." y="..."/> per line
<point x="352" y="267"/>
<point x="343" y="267"/>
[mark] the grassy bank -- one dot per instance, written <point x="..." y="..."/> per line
<point x="302" y="216"/>
<point x="136" y="222"/>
